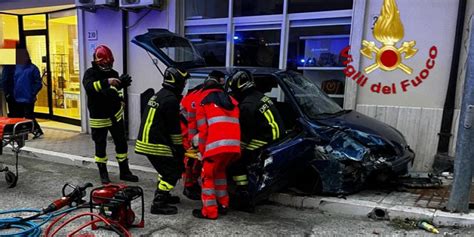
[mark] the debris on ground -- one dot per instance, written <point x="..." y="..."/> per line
<point x="447" y="175"/>
<point x="410" y="224"/>
<point x="424" y="225"/>
<point x="404" y="224"/>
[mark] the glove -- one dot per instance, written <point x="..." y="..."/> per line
<point x="125" y="80"/>
<point x="193" y="153"/>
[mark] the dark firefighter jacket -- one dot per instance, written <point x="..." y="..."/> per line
<point x="104" y="101"/>
<point x="260" y="121"/>
<point x="160" y="131"/>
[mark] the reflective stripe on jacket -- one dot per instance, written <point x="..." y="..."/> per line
<point x="260" y="121"/>
<point x="160" y="131"/>
<point x="188" y="113"/>
<point x="219" y="128"/>
<point x="103" y="101"/>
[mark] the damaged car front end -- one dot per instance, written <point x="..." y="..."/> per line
<point x="349" y="148"/>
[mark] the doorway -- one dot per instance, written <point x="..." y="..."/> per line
<point x="51" y="39"/>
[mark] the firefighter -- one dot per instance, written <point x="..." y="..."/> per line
<point x="217" y="117"/>
<point x="192" y="166"/>
<point x="106" y="108"/>
<point x="161" y="141"/>
<point x="261" y="124"/>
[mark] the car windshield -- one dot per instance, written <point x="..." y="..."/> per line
<point x="312" y="100"/>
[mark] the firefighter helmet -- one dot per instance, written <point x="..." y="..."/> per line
<point x="175" y="78"/>
<point x="240" y="81"/>
<point x="103" y="57"/>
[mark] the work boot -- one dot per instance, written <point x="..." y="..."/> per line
<point x="104" y="175"/>
<point x="160" y="204"/>
<point x="198" y="214"/>
<point x="193" y="192"/>
<point x="125" y="173"/>
<point x="171" y="199"/>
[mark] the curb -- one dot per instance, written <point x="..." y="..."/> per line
<point x="68" y="159"/>
<point x="346" y="207"/>
<point x="378" y="211"/>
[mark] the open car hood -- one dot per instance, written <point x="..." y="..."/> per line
<point x="171" y="49"/>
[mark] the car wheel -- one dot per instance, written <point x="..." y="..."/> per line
<point x="307" y="180"/>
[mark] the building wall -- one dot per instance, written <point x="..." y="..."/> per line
<point x="417" y="113"/>
<point x="144" y="74"/>
<point x="108" y="24"/>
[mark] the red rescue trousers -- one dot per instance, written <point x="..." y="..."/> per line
<point x="214" y="183"/>
<point x="192" y="171"/>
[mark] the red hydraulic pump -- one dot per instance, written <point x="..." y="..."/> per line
<point x="114" y="202"/>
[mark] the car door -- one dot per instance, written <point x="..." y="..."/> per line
<point x="170" y="48"/>
<point x="280" y="160"/>
<point x="277" y="163"/>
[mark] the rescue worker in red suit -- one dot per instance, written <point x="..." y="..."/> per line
<point x="160" y="139"/>
<point x="192" y="167"/>
<point x="261" y="125"/>
<point x="106" y="107"/>
<point x="217" y="117"/>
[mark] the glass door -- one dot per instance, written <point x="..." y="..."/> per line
<point x="64" y="64"/>
<point x="36" y="41"/>
<point x="36" y="45"/>
<point x="51" y="40"/>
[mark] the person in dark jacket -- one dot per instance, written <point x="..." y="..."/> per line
<point x="106" y="108"/>
<point x="261" y="124"/>
<point x="22" y="83"/>
<point x="161" y="141"/>
<point x="8" y="73"/>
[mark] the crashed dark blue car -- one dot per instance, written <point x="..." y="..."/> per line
<point x="325" y="150"/>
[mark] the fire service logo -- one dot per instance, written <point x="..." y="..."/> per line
<point x="389" y="31"/>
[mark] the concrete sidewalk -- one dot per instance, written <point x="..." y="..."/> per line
<point x="77" y="149"/>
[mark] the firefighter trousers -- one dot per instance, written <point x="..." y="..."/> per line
<point x="99" y="135"/>
<point x="214" y="183"/>
<point x="169" y="170"/>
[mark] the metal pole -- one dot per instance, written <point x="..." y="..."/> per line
<point x="463" y="164"/>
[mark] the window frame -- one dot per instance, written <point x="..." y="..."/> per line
<point x="354" y="17"/>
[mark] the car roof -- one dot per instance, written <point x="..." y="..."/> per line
<point x="204" y="71"/>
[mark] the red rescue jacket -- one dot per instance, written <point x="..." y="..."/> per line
<point x="188" y="112"/>
<point x="218" y="123"/>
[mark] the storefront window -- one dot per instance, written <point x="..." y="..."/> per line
<point x="202" y="9"/>
<point x="64" y="63"/>
<point x="211" y="47"/>
<point x="9" y="36"/>
<point x="315" y="52"/>
<point x="257" y="48"/>
<point x="34" y="22"/>
<point x="296" y="6"/>
<point x="257" y="7"/>
<point x="9" y="33"/>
